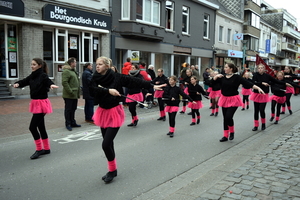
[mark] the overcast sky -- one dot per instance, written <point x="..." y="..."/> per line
<point x="292" y="6"/>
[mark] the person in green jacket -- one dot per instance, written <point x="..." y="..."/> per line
<point x="71" y="92"/>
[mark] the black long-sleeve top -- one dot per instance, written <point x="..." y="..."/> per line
<point x="112" y="80"/>
<point x="247" y="86"/>
<point x="215" y="86"/>
<point x="193" y="89"/>
<point x="161" y="79"/>
<point x="229" y="86"/>
<point x="291" y="78"/>
<point x="138" y="89"/>
<point x="187" y="79"/>
<point x="278" y="89"/>
<point x="174" y="92"/>
<point x="39" y="84"/>
<point x="258" y="79"/>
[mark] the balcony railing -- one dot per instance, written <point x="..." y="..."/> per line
<point x="291" y="32"/>
<point x="289" y="47"/>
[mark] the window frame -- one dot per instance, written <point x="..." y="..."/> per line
<point x="255" y="20"/>
<point x="53" y="51"/>
<point x="235" y="42"/>
<point x="65" y="35"/>
<point x="187" y="14"/>
<point x="221" y="34"/>
<point x="207" y="26"/>
<point x="171" y="10"/>
<point x="123" y="8"/>
<point x="229" y="35"/>
<point x="151" y="13"/>
<point x="91" y="43"/>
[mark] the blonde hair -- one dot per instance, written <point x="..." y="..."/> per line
<point x="107" y="61"/>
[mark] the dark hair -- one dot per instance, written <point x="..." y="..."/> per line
<point x="86" y="65"/>
<point x="161" y="69"/>
<point x="174" y="78"/>
<point x="137" y="67"/>
<point x="143" y="64"/>
<point x="116" y="70"/>
<point x="128" y="59"/>
<point x="195" y="77"/>
<point x="233" y="67"/>
<point x="39" y="61"/>
<point x="71" y="60"/>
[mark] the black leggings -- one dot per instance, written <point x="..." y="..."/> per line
<point x="38" y="124"/>
<point x="214" y="103"/>
<point x="195" y="112"/>
<point x="109" y="135"/>
<point x="288" y="100"/>
<point x="161" y="104"/>
<point x="245" y="98"/>
<point x="228" y="116"/>
<point x="172" y="119"/>
<point x="273" y="105"/>
<point x="259" y="108"/>
<point x="132" y="108"/>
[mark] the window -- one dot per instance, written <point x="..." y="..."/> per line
<point x="236" y="41"/>
<point x="48" y="51"/>
<point x="125" y="9"/>
<point x="257" y="2"/>
<point x="253" y="44"/>
<point x="229" y="36"/>
<point x="221" y="33"/>
<point x="206" y="26"/>
<point x="148" y="11"/>
<point x="61" y="45"/>
<point x="185" y="19"/>
<point x="169" y="15"/>
<point x="87" y="47"/>
<point x="255" y="20"/>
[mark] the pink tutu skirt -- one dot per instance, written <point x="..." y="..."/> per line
<point x="278" y="99"/>
<point x="246" y="91"/>
<point x="214" y="94"/>
<point x="113" y="117"/>
<point x="137" y="97"/>
<point x="40" y="106"/>
<point x="259" y="98"/>
<point x="290" y="90"/>
<point x="209" y="89"/>
<point x="197" y="105"/>
<point x="186" y="90"/>
<point x="230" y="101"/>
<point x="171" y="109"/>
<point x="158" y="93"/>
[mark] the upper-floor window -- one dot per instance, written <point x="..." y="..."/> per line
<point x="255" y="20"/>
<point x="148" y="11"/>
<point x="229" y="36"/>
<point x="236" y="41"/>
<point x="169" y="15"/>
<point x="257" y="2"/>
<point x="185" y="19"/>
<point x="206" y="26"/>
<point x="221" y="33"/>
<point x="125" y="9"/>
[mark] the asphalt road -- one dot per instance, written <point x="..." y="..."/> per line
<point x="146" y="157"/>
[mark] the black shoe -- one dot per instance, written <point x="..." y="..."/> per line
<point x="162" y="118"/>
<point x="223" y="139"/>
<point x="255" y="128"/>
<point x="247" y="106"/>
<point x="291" y="112"/>
<point x="135" y="122"/>
<point x="271" y="119"/>
<point x="37" y="154"/>
<point x="181" y="112"/>
<point x="210" y="107"/>
<point x="69" y="127"/>
<point x="131" y="124"/>
<point x="216" y="114"/>
<point x="263" y="126"/>
<point x="243" y="108"/>
<point x="46" y="152"/>
<point x="192" y="124"/>
<point x="171" y="134"/>
<point x="282" y="113"/>
<point x="109" y="176"/>
<point x="231" y="136"/>
<point x="190" y="113"/>
<point x="198" y="121"/>
<point x="276" y="122"/>
<point x="75" y="125"/>
<point x="212" y="114"/>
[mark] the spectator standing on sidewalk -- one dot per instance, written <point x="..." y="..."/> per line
<point x="89" y="100"/>
<point x="127" y="66"/>
<point x="40" y="105"/>
<point x="71" y="92"/>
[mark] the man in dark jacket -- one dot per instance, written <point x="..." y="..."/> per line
<point x="89" y="101"/>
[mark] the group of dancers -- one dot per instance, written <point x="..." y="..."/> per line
<point x="107" y="89"/>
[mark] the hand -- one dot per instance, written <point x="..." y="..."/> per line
<point x="159" y="87"/>
<point x="53" y="86"/>
<point x="198" y="93"/>
<point x="261" y="91"/>
<point x="194" y="102"/>
<point x="148" y="94"/>
<point x="218" y="76"/>
<point x="265" y="84"/>
<point x="173" y="99"/>
<point x="114" y="92"/>
<point x="16" y="85"/>
<point x="289" y="85"/>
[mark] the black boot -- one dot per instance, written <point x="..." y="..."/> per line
<point x="198" y="121"/>
<point x="216" y="114"/>
<point x="243" y="108"/>
<point x="247" y="106"/>
<point x="276" y="122"/>
<point x="37" y="154"/>
<point x="282" y="113"/>
<point x="271" y="119"/>
<point x="254" y="129"/>
<point x="212" y="114"/>
<point x="109" y="176"/>
<point x="135" y="122"/>
<point x="291" y="112"/>
<point x="131" y="124"/>
<point x="263" y="126"/>
<point x="171" y="134"/>
<point x="231" y="136"/>
<point x="162" y="118"/>
<point x="192" y="124"/>
<point x="223" y="139"/>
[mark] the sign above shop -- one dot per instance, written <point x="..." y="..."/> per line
<point x="76" y="17"/>
<point x="235" y="54"/>
<point x="12" y="7"/>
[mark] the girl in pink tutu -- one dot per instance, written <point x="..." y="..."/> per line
<point x="160" y="79"/>
<point x="195" y="91"/>
<point x="262" y="79"/>
<point x="246" y="91"/>
<point x="186" y="81"/>
<point x="134" y="93"/>
<point x="171" y="98"/>
<point x="214" y="94"/>
<point x="106" y="87"/>
<point x="230" y="99"/>
<point x="39" y="84"/>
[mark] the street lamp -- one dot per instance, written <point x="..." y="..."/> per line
<point x="244" y="52"/>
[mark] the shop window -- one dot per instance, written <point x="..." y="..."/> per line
<point x="61" y="45"/>
<point x="125" y="9"/>
<point x="87" y="47"/>
<point x="169" y="15"/>
<point x="96" y="49"/>
<point x="185" y="19"/>
<point x="2" y="51"/>
<point x="148" y="11"/>
<point x="206" y="26"/>
<point x="48" y="51"/>
<point x="12" y="48"/>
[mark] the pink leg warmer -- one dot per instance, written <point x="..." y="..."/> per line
<point x="256" y="123"/>
<point x="38" y="144"/>
<point x="194" y="120"/>
<point x="46" y="144"/>
<point x="277" y="118"/>
<point x="263" y="120"/>
<point x="231" y="129"/>
<point x="162" y="113"/>
<point x="112" y="165"/>
<point x="172" y="129"/>
<point x="225" y="133"/>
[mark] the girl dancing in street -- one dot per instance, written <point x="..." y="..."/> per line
<point x="214" y="94"/>
<point x="246" y="91"/>
<point x="186" y="81"/>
